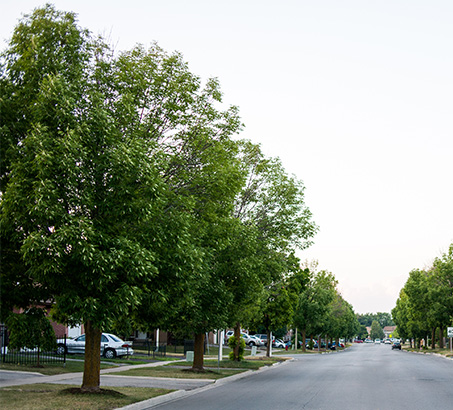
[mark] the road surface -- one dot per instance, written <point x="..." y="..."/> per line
<point x="366" y="376"/>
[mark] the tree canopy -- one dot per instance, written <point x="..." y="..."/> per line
<point x="425" y="303"/>
<point x="126" y="197"/>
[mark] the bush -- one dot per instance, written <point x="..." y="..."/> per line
<point x="232" y="343"/>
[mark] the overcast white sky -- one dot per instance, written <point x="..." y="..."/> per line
<point x="355" y="97"/>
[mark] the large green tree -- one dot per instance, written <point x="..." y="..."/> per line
<point x="114" y="177"/>
<point x="272" y="203"/>
<point x="80" y="191"/>
<point x="314" y="304"/>
<point x="376" y="331"/>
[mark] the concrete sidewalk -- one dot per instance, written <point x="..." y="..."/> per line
<point x="12" y="378"/>
<point x="183" y="387"/>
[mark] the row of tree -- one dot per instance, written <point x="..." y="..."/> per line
<point x="321" y="310"/>
<point x="376" y="321"/>
<point x="425" y="303"/>
<point x="127" y="201"/>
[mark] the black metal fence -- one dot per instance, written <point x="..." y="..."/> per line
<point x="150" y="348"/>
<point x="28" y="356"/>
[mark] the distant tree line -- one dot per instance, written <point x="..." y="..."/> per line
<point x="424" y="308"/>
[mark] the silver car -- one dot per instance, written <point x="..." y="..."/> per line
<point x="111" y="346"/>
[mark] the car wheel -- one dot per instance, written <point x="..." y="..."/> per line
<point x="61" y="349"/>
<point x="252" y="344"/>
<point x="110" y="354"/>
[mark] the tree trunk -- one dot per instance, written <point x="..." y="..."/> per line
<point x="433" y="338"/>
<point x="237" y="336"/>
<point x="441" y="337"/>
<point x="269" y="343"/>
<point x="304" y="331"/>
<point x="92" y="365"/>
<point x="198" y="352"/>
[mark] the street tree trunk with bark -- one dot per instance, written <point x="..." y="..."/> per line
<point x="92" y="365"/>
<point x="198" y="353"/>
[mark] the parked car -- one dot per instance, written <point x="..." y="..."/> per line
<point x="368" y="341"/>
<point x="255" y="341"/>
<point x="396" y="345"/>
<point x="279" y="344"/>
<point x="387" y="342"/>
<point x="228" y="335"/>
<point x="263" y="338"/>
<point x="377" y="341"/>
<point x="111" y="346"/>
<point x="247" y="338"/>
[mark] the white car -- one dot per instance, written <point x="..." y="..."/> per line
<point x="279" y="344"/>
<point x="111" y="346"/>
<point x="377" y="341"/>
<point x="255" y="341"/>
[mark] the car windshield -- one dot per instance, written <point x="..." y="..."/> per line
<point x="115" y="339"/>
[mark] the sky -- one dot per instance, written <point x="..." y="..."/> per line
<point x="355" y="97"/>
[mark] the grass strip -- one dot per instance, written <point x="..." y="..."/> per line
<point x="249" y="364"/>
<point x="178" y="373"/>
<point x="51" y="396"/>
<point x="49" y="369"/>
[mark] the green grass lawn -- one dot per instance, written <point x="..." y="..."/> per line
<point x="50" y="369"/>
<point x="445" y="352"/>
<point x="214" y="369"/>
<point x="249" y="364"/>
<point x="179" y="373"/>
<point x="51" y="396"/>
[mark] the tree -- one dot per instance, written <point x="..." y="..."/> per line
<point x="312" y="311"/>
<point x="272" y="204"/>
<point x="376" y="331"/>
<point x="32" y="330"/>
<point x="384" y="319"/>
<point x="343" y="321"/>
<point x="425" y="302"/>
<point x="108" y="157"/>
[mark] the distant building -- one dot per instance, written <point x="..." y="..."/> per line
<point x="388" y="331"/>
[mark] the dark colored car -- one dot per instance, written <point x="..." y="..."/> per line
<point x="396" y="345"/>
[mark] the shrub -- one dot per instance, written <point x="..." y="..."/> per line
<point x="232" y="343"/>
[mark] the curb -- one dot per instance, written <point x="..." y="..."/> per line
<point x="429" y="353"/>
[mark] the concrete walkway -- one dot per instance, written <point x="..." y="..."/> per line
<point x="183" y="387"/>
<point x="13" y="378"/>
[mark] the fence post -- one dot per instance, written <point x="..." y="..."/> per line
<point x="3" y="344"/>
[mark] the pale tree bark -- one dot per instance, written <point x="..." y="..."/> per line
<point x="92" y="365"/>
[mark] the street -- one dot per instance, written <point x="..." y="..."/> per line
<point x="364" y="376"/>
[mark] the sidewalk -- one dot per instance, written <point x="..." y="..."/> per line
<point x="70" y="378"/>
<point x="183" y="387"/>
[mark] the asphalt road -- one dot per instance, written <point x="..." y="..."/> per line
<point x="365" y="376"/>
